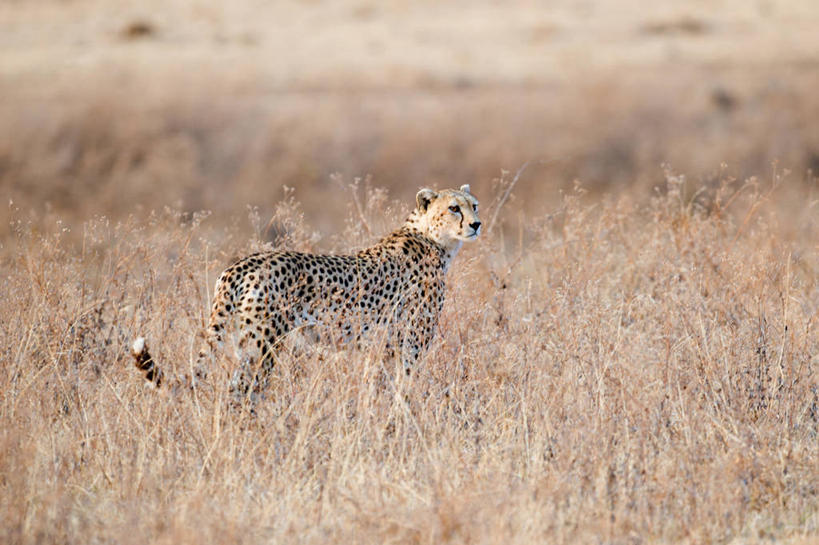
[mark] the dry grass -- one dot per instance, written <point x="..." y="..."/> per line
<point x="636" y="362"/>
<point x="215" y="107"/>
<point x="624" y="371"/>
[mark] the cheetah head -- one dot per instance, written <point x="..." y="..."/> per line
<point x="448" y="217"/>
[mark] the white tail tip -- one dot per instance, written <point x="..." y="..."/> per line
<point x="139" y="346"/>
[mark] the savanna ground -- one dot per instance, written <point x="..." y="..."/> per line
<point x="629" y="359"/>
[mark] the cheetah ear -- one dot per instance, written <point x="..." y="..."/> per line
<point x="424" y="198"/>
<point x="465" y="189"/>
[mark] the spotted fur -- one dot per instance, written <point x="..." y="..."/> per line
<point x="393" y="290"/>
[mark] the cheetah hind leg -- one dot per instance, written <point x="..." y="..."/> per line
<point x="212" y="344"/>
<point x="256" y="361"/>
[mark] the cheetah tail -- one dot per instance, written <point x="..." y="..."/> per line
<point x="145" y="363"/>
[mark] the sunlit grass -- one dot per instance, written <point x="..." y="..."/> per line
<point x="631" y="369"/>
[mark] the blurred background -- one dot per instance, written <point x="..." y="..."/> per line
<point x="114" y="108"/>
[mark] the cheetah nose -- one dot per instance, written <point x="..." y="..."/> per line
<point x="475" y="225"/>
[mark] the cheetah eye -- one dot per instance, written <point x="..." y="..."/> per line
<point x="475" y="207"/>
<point x="455" y="208"/>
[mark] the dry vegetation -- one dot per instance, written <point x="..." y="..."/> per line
<point x="632" y="360"/>
<point x="204" y="106"/>
<point x="624" y="372"/>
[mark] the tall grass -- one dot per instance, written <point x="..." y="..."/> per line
<point x="623" y="370"/>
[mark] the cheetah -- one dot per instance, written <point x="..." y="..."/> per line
<point x="394" y="288"/>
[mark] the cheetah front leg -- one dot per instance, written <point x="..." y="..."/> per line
<point x="416" y="334"/>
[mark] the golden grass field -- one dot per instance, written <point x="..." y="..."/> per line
<point x="628" y="354"/>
